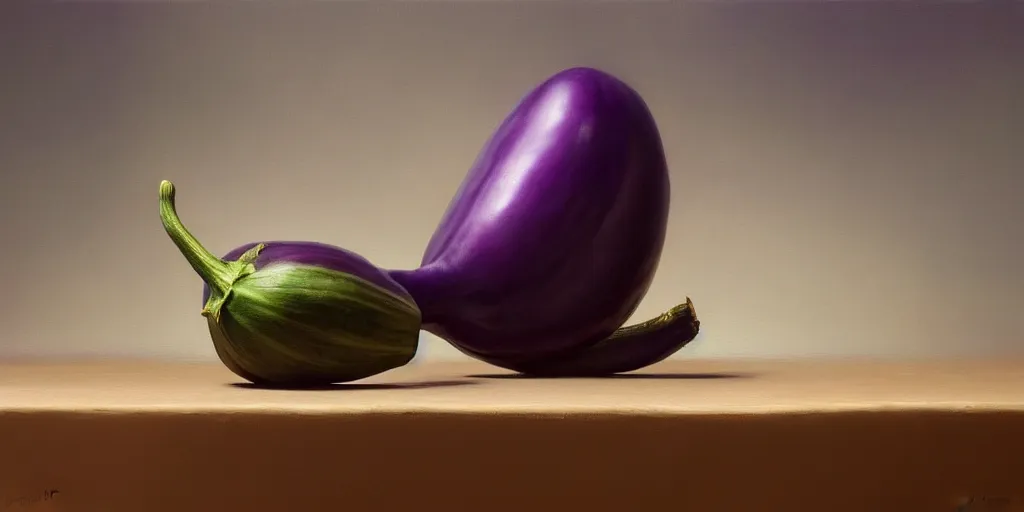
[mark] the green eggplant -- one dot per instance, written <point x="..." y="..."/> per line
<point x="298" y="314"/>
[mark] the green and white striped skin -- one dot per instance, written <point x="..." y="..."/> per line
<point x="293" y="324"/>
<point x="303" y="325"/>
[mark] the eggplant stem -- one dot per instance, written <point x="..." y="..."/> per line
<point x="217" y="273"/>
<point x="627" y="349"/>
<point x="655" y="323"/>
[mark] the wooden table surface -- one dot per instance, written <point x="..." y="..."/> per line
<point x="672" y="387"/>
<point x="707" y="436"/>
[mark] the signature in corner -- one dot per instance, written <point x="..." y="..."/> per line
<point x="23" y="501"/>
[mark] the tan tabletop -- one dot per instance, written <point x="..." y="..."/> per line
<point x="690" y="387"/>
<point x="693" y="435"/>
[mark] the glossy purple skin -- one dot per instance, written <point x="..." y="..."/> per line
<point x="320" y="255"/>
<point x="555" y="234"/>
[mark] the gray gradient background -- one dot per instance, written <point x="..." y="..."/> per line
<point x="847" y="178"/>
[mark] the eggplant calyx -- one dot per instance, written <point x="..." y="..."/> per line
<point x="239" y="268"/>
<point x="220" y="275"/>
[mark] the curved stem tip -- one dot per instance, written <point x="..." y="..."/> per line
<point x="214" y="271"/>
<point x="627" y="349"/>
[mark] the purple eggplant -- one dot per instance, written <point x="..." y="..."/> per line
<point x="298" y="313"/>
<point x="554" y="237"/>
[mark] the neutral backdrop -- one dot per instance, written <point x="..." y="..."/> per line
<point x="846" y="177"/>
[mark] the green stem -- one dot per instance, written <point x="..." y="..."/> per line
<point x="215" y="272"/>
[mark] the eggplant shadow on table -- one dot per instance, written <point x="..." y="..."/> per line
<point x="358" y="386"/>
<point x="638" y="376"/>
